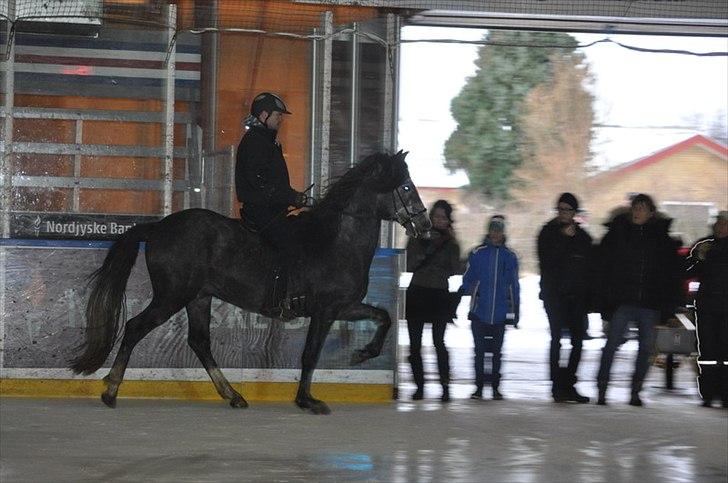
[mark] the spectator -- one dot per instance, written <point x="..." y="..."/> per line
<point x="708" y="261"/>
<point x="564" y="249"/>
<point x="639" y="281"/>
<point x="432" y="261"/>
<point x="491" y="279"/>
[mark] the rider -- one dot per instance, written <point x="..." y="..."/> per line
<point x="263" y="186"/>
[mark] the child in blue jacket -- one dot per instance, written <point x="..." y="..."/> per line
<point x="491" y="278"/>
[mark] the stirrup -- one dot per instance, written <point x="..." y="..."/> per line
<point x="281" y="312"/>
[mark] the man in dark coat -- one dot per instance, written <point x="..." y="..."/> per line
<point x="564" y="251"/>
<point x="262" y="182"/>
<point x="639" y="281"/>
<point x="708" y="262"/>
<point x="263" y="186"/>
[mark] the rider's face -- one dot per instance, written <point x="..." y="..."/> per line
<point x="273" y="120"/>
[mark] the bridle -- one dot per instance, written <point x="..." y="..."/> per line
<point x="402" y="213"/>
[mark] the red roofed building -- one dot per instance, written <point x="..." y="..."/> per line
<point x="688" y="180"/>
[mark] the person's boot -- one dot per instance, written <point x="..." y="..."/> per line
<point x="558" y="387"/>
<point x="275" y="304"/>
<point x="497" y="396"/>
<point x="419" y="394"/>
<point x="635" y="400"/>
<point x="570" y="392"/>
<point x="574" y="396"/>
<point x="445" y="393"/>
<point x="478" y="394"/>
<point x="602" y="397"/>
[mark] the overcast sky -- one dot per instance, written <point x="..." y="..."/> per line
<point x="641" y="94"/>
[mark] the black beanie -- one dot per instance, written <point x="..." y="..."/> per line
<point x="569" y="199"/>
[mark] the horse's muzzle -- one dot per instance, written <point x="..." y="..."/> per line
<point x="418" y="226"/>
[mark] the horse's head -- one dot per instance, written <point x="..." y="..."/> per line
<point x="398" y="199"/>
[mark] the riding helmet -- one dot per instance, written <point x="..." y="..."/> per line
<point x="265" y="101"/>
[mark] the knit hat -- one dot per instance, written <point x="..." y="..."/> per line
<point x="722" y="215"/>
<point x="497" y="223"/>
<point x="569" y="199"/>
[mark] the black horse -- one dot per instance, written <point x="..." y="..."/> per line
<point x="195" y="254"/>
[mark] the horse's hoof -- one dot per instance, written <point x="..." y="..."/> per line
<point x="320" y="407"/>
<point x="238" y="402"/>
<point x="109" y="400"/>
<point x="360" y="356"/>
<point x="314" y="406"/>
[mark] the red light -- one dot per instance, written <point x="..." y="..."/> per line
<point x="78" y="70"/>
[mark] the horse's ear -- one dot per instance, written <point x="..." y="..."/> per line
<point x="401" y="154"/>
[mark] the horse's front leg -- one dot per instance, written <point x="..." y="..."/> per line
<point x="383" y="320"/>
<point x="318" y="329"/>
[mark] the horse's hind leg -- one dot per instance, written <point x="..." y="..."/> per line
<point x="198" y="338"/>
<point x="364" y="311"/>
<point x="136" y="329"/>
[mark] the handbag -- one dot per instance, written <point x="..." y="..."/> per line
<point x="677" y="337"/>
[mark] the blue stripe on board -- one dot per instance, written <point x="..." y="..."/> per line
<point x="102" y="80"/>
<point x="388" y="252"/>
<point x="69" y="42"/>
<point x="53" y="243"/>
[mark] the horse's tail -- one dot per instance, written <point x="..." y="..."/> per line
<point x="106" y="302"/>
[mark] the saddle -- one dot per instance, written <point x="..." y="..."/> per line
<point x="248" y="224"/>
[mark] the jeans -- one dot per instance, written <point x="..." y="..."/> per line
<point x="646" y="320"/>
<point x="415" y="329"/>
<point x="487" y="338"/>
<point x="565" y="313"/>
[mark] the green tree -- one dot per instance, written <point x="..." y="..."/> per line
<point x="489" y="142"/>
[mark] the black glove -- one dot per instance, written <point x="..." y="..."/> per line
<point x="302" y="200"/>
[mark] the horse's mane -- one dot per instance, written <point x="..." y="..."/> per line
<point x="380" y="171"/>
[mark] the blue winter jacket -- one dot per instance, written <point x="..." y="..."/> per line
<point x="491" y="278"/>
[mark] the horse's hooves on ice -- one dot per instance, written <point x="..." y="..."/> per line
<point x="314" y="406"/>
<point x="109" y="400"/>
<point x="360" y="356"/>
<point x="238" y="402"/>
<point x="319" y="407"/>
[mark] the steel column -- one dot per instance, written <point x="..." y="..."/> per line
<point x="354" y="93"/>
<point x="324" y="161"/>
<point x="312" y="177"/>
<point x="6" y="170"/>
<point x="168" y="165"/>
<point x="391" y="111"/>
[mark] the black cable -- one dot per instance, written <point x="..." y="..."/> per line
<point x="570" y="47"/>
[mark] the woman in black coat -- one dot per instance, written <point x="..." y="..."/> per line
<point x="432" y="261"/>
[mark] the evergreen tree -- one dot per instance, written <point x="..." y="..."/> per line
<point x="489" y="142"/>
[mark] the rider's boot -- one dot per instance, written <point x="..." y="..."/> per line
<point x="275" y="304"/>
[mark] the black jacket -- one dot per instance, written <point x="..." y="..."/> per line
<point x="639" y="265"/>
<point x="708" y="262"/>
<point x="262" y="183"/>
<point x="564" y="261"/>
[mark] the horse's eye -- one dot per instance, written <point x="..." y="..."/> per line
<point x="406" y="188"/>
